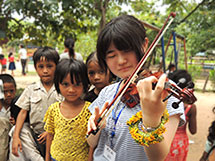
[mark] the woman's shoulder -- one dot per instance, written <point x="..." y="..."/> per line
<point x="110" y="88"/>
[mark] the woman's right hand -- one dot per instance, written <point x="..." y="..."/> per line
<point x="16" y="145"/>
<point x="95" y="117"/>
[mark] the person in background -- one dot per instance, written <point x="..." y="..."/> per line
<point x="23" y="57"/>
<point x="36" y="99"/>
<point x="69" y="52"/>
<point x="1" y="56"/>
<point x="66" y="121"/>
<point x="209" y="152"/>
<point x="180" y="144"/>
<point x="12" y="65"/>
<point x="171" y="68"/>
<point x="9" y="90"/>
<point x="3" y="64"/>
<point x="98" y="77"/>
<point x="120" y="46"/>
<point x="7" y="94"/>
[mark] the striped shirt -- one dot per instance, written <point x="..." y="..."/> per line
<point x="123" y="144"/>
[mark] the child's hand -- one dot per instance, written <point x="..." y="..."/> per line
<point x="151" y="100"/>
<point x="95" y="117"/>
<point x="16" y="145"/>
<point x="12" y="121"/>
<point x="42" y="138"/>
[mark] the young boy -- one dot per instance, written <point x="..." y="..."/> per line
<point x="36" y="99"/>
<point x="8" y="91"/>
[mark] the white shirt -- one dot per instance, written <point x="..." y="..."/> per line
<point x="5" y="112"/>
<point x="23" y="53"/>
<point x="65" y="55"/>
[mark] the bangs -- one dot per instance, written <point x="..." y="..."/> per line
<point x="77" y="71"/>
<point x="73" y="70"/>
<point x="75" y="77"/>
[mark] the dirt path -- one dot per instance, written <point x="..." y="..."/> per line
<point x="205" y="103"/>
<point x="205" y="116"/>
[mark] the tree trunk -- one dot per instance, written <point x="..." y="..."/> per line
<point x="103" y="8"/>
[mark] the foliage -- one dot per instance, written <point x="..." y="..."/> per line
<point x="194" y="71"/>
<point x="212" y="77"/>
<point x="198" y="27"/>
<point x="47" y="20"/>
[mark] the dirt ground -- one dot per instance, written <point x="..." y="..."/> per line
<point x="205" y="116"/>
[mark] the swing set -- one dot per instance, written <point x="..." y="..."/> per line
<point x="179" y="41"/>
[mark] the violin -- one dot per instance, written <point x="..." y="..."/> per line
<point x="131" y="96"/>
<point x="128" y="93"/>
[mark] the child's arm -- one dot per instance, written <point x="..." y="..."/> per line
<point x="16" y="140"/>
<point x="48" y="145"/>
<point x="90" y="156"/>
<point x="192" y="124"/>
<point x="204" y="156"/>
<point x="42" y="137"/>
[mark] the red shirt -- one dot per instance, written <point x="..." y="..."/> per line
<point x="4" y="61"/>
<point x="11" y="59"/>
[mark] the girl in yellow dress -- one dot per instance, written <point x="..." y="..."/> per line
<point x="66" y="121"/>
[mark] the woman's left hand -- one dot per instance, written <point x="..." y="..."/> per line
<point x="42" y="138"/>
<point x="151" y="100"/>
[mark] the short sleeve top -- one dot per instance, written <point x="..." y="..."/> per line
<point x="36" y="100"/>
<point x="65" y="55"/>
<point x="23" y="53"/>
<point x="11" y="59"/>
<point x="123" y="144"/>
<point x="69" y="142"/>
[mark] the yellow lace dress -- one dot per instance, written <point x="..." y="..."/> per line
<point x="69" y="142"/>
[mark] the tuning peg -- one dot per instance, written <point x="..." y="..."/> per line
<point x="175" y="105"/>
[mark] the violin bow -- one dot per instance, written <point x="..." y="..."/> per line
<point x="131" y="78"/>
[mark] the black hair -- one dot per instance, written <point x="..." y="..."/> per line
<point x="211" y="135"/>
<point x="181" y="76"/>
<point x="9" y="55"/>
<point x="93" y="57"/>
<point x="7" y="78"/>
<point x="14" y="109"/>
<point x="69" y="43"/>
<point x="77" y="70"/>
<point x="49" y="53"/>
<point x="126" y="32"/>
<point x="21" y="45"/>
<point x="171" y="66"/>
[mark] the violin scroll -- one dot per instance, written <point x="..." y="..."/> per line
<point x="131" y="97"/>
<point x="184" y="95"/>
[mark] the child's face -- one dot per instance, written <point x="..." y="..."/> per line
<point x="45" y="69"/>
<point x="97" y="75"/>
<point x="9" y="93"/>
<point x="71" y="92"/>
<point x="121" y="63"/>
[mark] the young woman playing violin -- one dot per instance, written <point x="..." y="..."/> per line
<point x="120" y="45"/>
